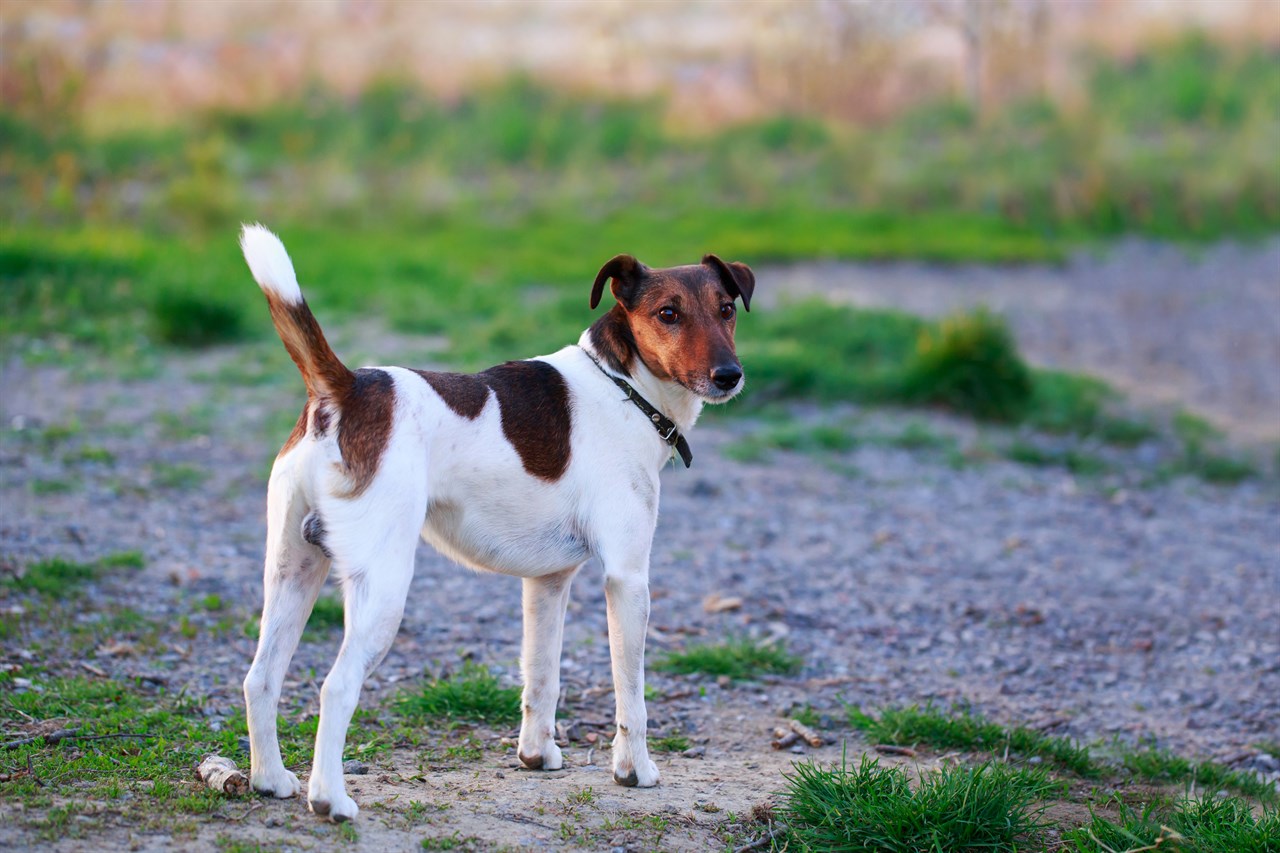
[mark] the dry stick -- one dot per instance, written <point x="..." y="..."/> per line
<point x="783" y="739"/>
<point x="762" y="840"/>
<point x="67" y="734"/>
<point x="894" y="749"/>
<point x="253" y="808"/>
<point x="811" y="737"/>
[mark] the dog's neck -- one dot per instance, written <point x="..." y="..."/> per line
<point x="617" y="354"/>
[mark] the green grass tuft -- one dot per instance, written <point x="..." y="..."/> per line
<point x="669" y="743"/>
<point x="188" y="320"/>
<point x="873" y="808"/>
<point x="55" y="576"/>
<point x="1160" y="766"/>
<point x="962" y="729"/>
<point x="1205" y="824"/>
<point x="123" y="560"/>
<point x="970" y="364"/>
<point x="739" y="659"/>
<point x="326" y="615"/>
<point x="471" y="695"/>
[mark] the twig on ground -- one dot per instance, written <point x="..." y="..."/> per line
<point x="783" y="738"/>
<point x="253" y="808"/>
<point x="50" y="738"/>
<point x="810" y="736"/>
<point x="894" y="749"/>
<point x="762" y="840"/>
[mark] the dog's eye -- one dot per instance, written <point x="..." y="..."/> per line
<point x="669" y="315"/>
<point x="727" y="311"/>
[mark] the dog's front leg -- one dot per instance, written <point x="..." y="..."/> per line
<point x="545" y="600"/>
<point x="627" y="596"/>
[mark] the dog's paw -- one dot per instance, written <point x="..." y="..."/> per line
<point x="338" y="808"/>
<point x="280" y="783"/>
<point x="642" y="775"/>
<point x="546" y="757"/>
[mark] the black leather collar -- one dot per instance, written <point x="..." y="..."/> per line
<point x="666" y="427"/>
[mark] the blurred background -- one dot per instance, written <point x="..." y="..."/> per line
<point x="1103" y="174"/>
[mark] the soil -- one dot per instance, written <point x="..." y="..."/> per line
<point x="1104" y="609"/>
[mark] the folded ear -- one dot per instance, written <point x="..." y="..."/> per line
<point x="737" y="278"/>
<point x="625" y="272"/>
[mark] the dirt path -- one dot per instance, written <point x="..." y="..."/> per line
<point x="1104" y="608"/>
<point x="1199" y="328"/>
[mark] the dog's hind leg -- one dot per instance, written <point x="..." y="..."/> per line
<point x="294" y="573"/>
<point x="376" y="583"/>
<point x="545" y="600"/>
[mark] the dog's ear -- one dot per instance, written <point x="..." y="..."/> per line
<point x="737" y="278"/>
<point x="625" y="272"/>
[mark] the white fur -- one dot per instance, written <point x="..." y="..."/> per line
<point x="461" y="485"/>
<point x="269" y="263"/>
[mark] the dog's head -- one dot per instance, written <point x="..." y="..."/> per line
<point x="678" y="321"/>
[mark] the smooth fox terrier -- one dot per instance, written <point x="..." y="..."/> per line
<point x="527" y="469"/>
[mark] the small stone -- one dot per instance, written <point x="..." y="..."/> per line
<point x="355" y="768"/>
<point x="695" y="752"/>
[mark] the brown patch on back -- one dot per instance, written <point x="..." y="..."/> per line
<point x="365" y="426"/>
<point x="534" y="401"/>
<point x="462" y="392"/>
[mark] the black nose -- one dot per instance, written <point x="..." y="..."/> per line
<point x="726" y="376"/>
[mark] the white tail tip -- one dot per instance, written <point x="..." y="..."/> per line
<point x="269" y="262"/>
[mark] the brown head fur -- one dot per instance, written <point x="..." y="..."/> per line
<point x="679" y="322"/>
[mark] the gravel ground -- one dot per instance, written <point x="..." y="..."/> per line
<point x="1199" y="328"/>
<point x="1098" y="609"/>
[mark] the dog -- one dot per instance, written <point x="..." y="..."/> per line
<point x="529" y="469"/>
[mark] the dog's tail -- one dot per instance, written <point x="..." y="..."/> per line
<point x="324" y="374"/>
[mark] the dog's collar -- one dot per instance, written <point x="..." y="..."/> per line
<point x="667" y="429"/>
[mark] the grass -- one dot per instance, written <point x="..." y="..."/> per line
<point x="796" y="436"/>
<point x="964" y="730"/>
<point x="738" y="659"/>
<point x="190" y="320"/>
<point x="961" y="729"/>
<point x="179" y="476"/>
<point x="875" y="808"/>
<point x="1204" y="824"/>
<point x="669" y="743"/>
<point x="57" y="577"/>
<point x="327" y="614"/>
<point x="1157" y="765"/>
<point x="1074" y="460"/>
<point x="471" y="695"/>
<point x="969" y="363"/>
